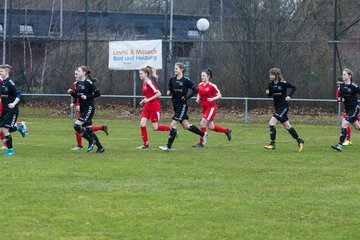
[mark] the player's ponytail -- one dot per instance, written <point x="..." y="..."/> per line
<point x="87" y="71"/>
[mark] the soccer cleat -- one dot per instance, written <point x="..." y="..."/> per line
<point x="143" y="147"/>
<point x="301" y="144"/>
<point x="204" y="138"/>
<point x="228" y="134"/>
<point x="105" y="129"/>
<point x="164" y="148"/>
<point x="100" y="150"/>
<point x="9" y="152"/>
<point x="347" y="143"/>
<point x="77" y="148"/>
<point x="198" y="145"/>
<point x="4" y="148"/>
<point x="91" y="145"/>
<point x="337" y="147"/>
<point x="22" y="129"/>
<point x="271" y="146"/>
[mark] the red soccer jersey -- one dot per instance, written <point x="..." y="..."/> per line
<point x="206" y="91"/>
<point x="149" y="89"/>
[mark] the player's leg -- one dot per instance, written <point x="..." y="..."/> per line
<point x="172" y="136"/>
<point x="79" y="145"/>
<point x="347" y="141"/>
<point x="8" y="123"/>
<point x="155" y="118"/>
<point x="100" y="147"/>
<point x="192" y="128"/>
<point x="344" y="124"/>
<point x="294" y="134"/>
<point x="144" y="134"/>
<point x="273" y="121"/>
<point x="203" y="124"/>
<point x="100" y="127"/>
<point x="4" y="146"/>
<point x="22" y="128"/>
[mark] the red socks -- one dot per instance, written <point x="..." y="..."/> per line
<point x="163" y="128"/>
<point x="144" y="136"/>
<point x="220" y="129"/>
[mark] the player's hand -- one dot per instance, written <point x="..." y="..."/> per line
<point x="168" y="92"/>
<point x="83" y="97"/>
<point x="72" y="105"/>
<point x="210" y="99"/>
<point x="11" y="105"/>
<point x="267" y="91"/>
<point x="287" y="98"/>
<point x="77" y="108"/>
<point x="70" y="90"/>
<point x="142" y="102"/>
<point x="197" y="100"/>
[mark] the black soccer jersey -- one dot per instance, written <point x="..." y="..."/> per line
<point x="279" y="92"/>
<point x="9" y="93"/>
<point x="179" y="89"/>
<point x="88" y="89"/>
<point x="349" y="93"/>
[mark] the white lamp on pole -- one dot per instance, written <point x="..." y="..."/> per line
<point x="202" y="25"/>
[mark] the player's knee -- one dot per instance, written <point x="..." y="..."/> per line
<point x="77" y="127"/>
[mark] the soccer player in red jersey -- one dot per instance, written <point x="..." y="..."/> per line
<point x="104" y="128"/>
<point x="151" y="104"/>
<point x="208" y="93"/>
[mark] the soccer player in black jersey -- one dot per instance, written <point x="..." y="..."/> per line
<point x="278" y="90"/>
<point x="84" y="94"/>
<point x="178" y="88"/>
<point x="348" y="93"/>
<point x="10" y="96"/>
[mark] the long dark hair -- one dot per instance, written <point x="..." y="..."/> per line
<point x="209" y="73"/>
<point x="87" y="71"/>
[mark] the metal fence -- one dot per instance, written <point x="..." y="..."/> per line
<point x="245" y="101"/>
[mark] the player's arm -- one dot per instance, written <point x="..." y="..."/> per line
<point x="268" y="91"/>
<point x="193" y="89"/>
<point x="94" y="93"/>
<point x="146" y="100"/>
<point x="217" y="94"/>
<point x="216" y="97"/>
<point x="170" y="88"/>
<point x="16" y="92"/>
<point x="292" y="90"/>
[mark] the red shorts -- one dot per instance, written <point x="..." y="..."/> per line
<point x="152" y="114"/>
<point x="209" y="113"/>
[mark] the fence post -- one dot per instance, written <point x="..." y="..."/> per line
<point x="246" y="111"/>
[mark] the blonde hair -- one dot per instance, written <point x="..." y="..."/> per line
<point x="5" y="66"/>
<point x="348" y="70"/>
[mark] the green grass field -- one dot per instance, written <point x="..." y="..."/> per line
<point x="228" y="190"/>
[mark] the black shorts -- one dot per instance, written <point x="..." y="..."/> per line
<point x="86" y="114"/>
<point x="352" y="114"/>
<point x="281" y="114"/>
<point x="180" y="113"/>
<point x="8" y="118"/>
